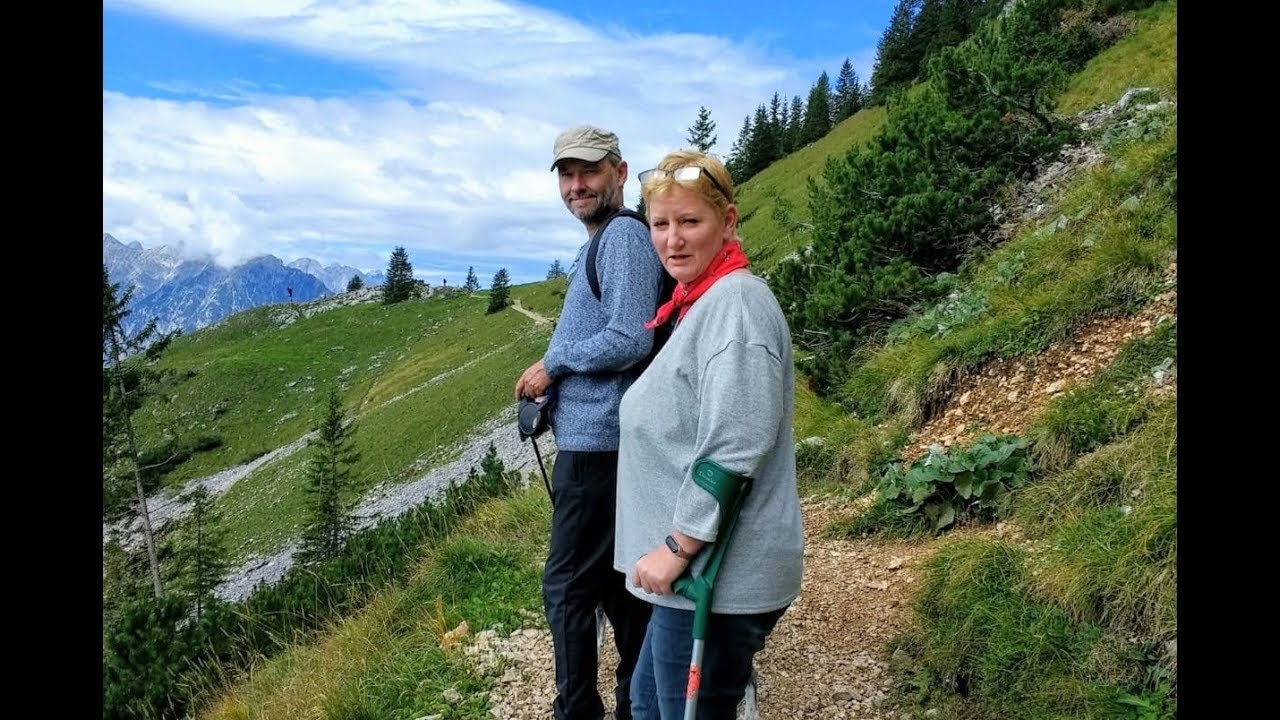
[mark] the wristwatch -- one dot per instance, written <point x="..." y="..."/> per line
<point x="675" y="548"/>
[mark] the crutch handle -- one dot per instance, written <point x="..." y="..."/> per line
<point x="730" y="490"/>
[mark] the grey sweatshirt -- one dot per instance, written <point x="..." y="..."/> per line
<point x="595" y="341"/>
<point x="723" y="387"/>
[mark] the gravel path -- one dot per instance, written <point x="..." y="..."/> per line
<point x="825" y="659"/>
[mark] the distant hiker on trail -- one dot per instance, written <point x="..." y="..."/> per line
<point x="722" y="389"/>
<point x="590" y="358"/>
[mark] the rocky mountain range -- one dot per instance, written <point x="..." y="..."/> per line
<point x="188" y="294"/>
<point x="335" y="277"/>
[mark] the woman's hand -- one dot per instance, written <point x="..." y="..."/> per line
<point x="656" y="571"/>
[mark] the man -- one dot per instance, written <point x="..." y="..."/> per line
<point x="589" y="359"/>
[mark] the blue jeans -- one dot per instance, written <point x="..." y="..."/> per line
<point x="662" y="672"/>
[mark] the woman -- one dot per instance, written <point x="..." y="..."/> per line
<point x="721" y="388"/>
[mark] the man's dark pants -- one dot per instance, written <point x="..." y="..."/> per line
<point x="579" y="575"/>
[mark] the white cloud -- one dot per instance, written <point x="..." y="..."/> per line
<point x="453" y="163"/>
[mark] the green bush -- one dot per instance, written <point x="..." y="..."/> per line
<point x="971" y="483"/>
<point x="944" y="488"/>
<point x="147" y="647"/>
<point x="156" y="653"/>
<point x="889" y="218"/>
<point x="1105" y="255"/>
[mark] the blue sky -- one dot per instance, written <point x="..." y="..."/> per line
<point x="339" y="130"/>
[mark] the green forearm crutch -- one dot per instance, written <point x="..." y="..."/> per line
<point x="730" y="491"/>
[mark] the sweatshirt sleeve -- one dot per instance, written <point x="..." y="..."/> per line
<point x="630" y="278"/>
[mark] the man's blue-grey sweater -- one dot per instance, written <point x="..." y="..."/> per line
<point x="596" y="341"/>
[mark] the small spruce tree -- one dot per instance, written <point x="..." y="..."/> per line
<point x="702" y="132"/>
<point x="329" y="473"/>
<point x="499" y="290"/>
<point x="399" y="285"/>
<point x="199" y="560"/>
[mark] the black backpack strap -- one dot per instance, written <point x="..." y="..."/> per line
<point x="593" y="279"/>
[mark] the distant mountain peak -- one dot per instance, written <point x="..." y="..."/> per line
<point x="191" y="293"/>
<point x="188" y="294"/>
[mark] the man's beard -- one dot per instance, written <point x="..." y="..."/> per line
<point x="606" y="201"/>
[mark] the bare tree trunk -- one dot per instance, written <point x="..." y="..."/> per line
<point x="148" y="535"/>
<point x="198" y="570"/>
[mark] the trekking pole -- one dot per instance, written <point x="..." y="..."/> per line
<point x="541" y="467"/>
<point x="730" y="491"/>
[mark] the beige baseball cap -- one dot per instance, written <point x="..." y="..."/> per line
<point x="585" y="142"/>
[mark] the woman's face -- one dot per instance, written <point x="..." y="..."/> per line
<point x="687" y="231"/>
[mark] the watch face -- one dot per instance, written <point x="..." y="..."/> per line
<point x="673" y="545"/>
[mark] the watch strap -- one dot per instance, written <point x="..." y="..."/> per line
<point x="674" y="546"/>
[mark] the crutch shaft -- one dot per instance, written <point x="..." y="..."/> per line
<point x="695" y="680"/>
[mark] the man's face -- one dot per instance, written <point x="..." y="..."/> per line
<point x="591" y="190"/>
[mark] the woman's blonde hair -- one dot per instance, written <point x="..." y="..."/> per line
<point x="711" y="168"/>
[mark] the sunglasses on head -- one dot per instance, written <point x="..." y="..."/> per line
<point x="688" y="173"/>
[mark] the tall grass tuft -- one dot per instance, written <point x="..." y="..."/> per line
<point x="1109" y="530"/>
<point x="986" y="638"/>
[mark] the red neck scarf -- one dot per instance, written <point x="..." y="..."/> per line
<point x="728" y="259"/>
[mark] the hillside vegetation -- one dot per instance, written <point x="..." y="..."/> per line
<point x="417" y="377"/>
<point x="1058" y="598"/>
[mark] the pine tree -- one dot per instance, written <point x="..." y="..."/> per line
<point x="784" y="122"/>
<point x="848" y="95"/>
<point x="777" y="127"/>
<point x="961" y="18"/>
<point x="817" y="114"/>
<point x="199" y="560"/>
<point x="894" y="68"/>
<point x="329" y="473"/>
<point x="355" y="283"/>
<point x="945" y="151"/>
<point x="147" y="657"/>
<point x="738" y="156"/>
<point x="795" y="120"/>
<point x="499" y="290"/>
<point x="762" y="149"/>
<point x="556" y="271"/>
<point x="927" y="32"/>
<point x="125" y="382"/>
<point x="472" y="284"/>
<point x="123" y="579"/>
<point x="777" y="112"/>
<point x="641" y="209"/>
<point x="944" y="23"/>
<point x="399" y="285"/>
<point x="701" y="132"/>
